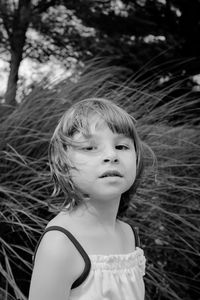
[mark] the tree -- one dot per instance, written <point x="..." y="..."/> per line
<point x="16" y="27"/>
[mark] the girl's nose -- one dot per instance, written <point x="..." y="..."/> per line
<point x="110" y="155"/>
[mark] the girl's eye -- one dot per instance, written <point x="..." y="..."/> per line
<point x="122" y="147"/>
<point x="89" y="148"/>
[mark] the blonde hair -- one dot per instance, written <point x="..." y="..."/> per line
<point x="76" y="119"/>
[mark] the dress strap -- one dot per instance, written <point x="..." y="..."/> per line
<point x="136" y="234"/>
<point x="78" y="246"/>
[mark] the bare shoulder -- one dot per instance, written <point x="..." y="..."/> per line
<point x="125" y="226"/>
<point x="57" y="265"/>
<point x="57" y="244"/>
<point x="56" y="253"/>
<point x="54" y="245"/>
<point x="128" y="233"/>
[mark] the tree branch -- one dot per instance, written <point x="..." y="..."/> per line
<point x="5" y="18"/>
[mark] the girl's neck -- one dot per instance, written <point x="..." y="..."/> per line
<point x="98" y="213"/>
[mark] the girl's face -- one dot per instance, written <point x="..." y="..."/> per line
<point x="105" y="163"/>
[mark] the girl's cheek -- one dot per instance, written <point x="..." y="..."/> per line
<point x="80" y="160"/>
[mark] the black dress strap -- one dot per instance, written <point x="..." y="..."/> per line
<point x="136" y="234"/>
<point x="78" y="246"/>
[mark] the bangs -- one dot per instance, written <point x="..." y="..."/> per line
<point x="120" y="123"/>
<point x="86" y="112"/>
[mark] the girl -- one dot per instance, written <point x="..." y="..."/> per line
<point x="86" y="252"/>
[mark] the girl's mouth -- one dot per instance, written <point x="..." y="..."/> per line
<point x="111" y="173"/>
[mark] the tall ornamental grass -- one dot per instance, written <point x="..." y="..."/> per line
<point x="166" y="207"/>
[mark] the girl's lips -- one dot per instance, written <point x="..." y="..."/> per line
<point x="111" y="173"/>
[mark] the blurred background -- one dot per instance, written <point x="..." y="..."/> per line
<point x="145" y="56"/>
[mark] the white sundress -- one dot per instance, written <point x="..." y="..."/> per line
<point x="108" y="277"/>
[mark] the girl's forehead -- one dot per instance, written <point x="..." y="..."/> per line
<point x="95" y="124"/>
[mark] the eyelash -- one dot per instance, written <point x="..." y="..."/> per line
<point x="125" y="147"/>
<point x="88" y="148"/>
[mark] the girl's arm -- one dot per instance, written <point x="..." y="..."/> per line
<point x="54" y="268"/>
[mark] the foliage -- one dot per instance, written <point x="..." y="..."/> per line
<point x="166" y="210"/>
<point x="131" y="32"/>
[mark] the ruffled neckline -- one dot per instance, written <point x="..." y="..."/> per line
<point x="119" y="261"/>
